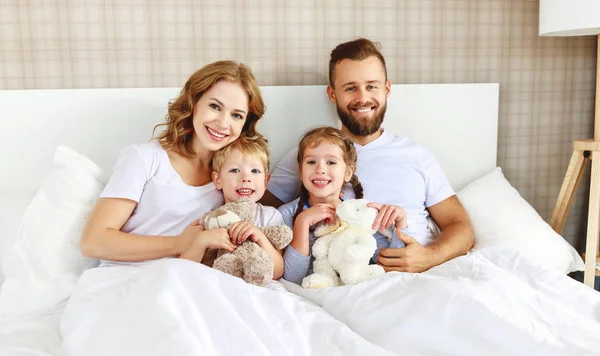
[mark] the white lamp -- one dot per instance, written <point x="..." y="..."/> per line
<point x="578" y="18"/>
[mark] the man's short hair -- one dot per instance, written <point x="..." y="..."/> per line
<point x="254" y="146"/>
<point x="356" y="50"/>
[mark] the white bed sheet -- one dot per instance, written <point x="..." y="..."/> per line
<point x="12" y="207"/>
<point x="31" y="336"/>
<point x="493" y="302"/>
<point x="179" y="307"/>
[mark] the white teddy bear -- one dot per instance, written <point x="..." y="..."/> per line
<point x="343" y="250"/>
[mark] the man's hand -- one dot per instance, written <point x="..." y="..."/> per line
<point x="414" y="257"/>
<point x="388" y="215"/>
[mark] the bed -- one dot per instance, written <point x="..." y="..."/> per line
<point x="507" y="296"/>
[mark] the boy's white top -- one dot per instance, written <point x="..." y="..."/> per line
<point x="393" y="170"/>
<point x="267" y="216"/>
<point x="166" y="205"/>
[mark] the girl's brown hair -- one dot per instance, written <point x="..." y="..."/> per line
<point x="179" y="123"/>
<point x="332" y="135"/>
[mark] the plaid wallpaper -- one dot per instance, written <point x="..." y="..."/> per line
<point x="546" y="84"/>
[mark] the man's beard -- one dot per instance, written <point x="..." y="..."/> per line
<point x="361" y="126"/>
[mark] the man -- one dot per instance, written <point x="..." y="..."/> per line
<point x="393" y="170"/>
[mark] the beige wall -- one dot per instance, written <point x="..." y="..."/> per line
<point x="546" y="84"/>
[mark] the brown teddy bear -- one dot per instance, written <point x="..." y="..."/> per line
<point x="249" y="261"/>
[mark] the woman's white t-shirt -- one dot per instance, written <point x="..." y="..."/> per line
<point x="166" y="205"/>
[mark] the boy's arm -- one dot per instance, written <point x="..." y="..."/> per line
<point x="276" y="256"/>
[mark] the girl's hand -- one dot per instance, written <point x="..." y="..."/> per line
<point x="317" y="213"/>
<point x="242" y="230"/>
<point x="387" y="215"/>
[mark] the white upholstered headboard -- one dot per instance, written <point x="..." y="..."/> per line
<point x="458" y="122"/>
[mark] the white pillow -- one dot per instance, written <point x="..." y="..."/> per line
<point x="45" y="260"/>
<point x="12" y="207"/>
<point x="500" y="216"/>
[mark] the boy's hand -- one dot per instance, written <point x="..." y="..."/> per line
<point x="242" y="230"/>
<point x="387" y="215"/>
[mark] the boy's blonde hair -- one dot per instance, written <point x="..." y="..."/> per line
<point x="254" y="146"/>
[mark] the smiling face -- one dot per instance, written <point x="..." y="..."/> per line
<point x="360" y="94"/>
<point x="219" y="116"/>
<point x="241" y="176"/>
<point x="324" y="171"/>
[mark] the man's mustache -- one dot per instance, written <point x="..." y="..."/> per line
<point x="362" y="106"/>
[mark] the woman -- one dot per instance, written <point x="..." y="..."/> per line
<point x="158" y="189"/>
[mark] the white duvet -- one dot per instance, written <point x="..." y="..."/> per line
<point x="32" y="335"/>
<point x="178" y="307"/>
<point x="492" y="302"/>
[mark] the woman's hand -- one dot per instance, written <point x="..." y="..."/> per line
<point x="387" y="215"/>
<point x="196" y="237"/>
<point x="201" y="240"/>
<point x="188" y="235"/>
<point x="215" y="238"/>
<point x="242" y="230"/>
<point x="315" y="214"/>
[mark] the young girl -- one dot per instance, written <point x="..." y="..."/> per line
<point x="326" y="162"/>
<point x="158" y="189"/>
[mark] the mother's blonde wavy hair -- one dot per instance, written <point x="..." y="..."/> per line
<point x="179" y="121"/>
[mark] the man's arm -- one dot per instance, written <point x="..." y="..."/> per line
<point x="455" y="239"/>
<point x="269" y="199"/>
<point x="284" y="182"/>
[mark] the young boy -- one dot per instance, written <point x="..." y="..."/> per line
<point x="241" y="169"/>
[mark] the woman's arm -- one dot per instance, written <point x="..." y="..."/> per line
<point x="204" y="240"/>
<point x="102" y="239"/>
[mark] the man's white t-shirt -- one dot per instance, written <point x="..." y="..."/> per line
<point x="392" y="170"/>
<point x="166" y="205"/>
